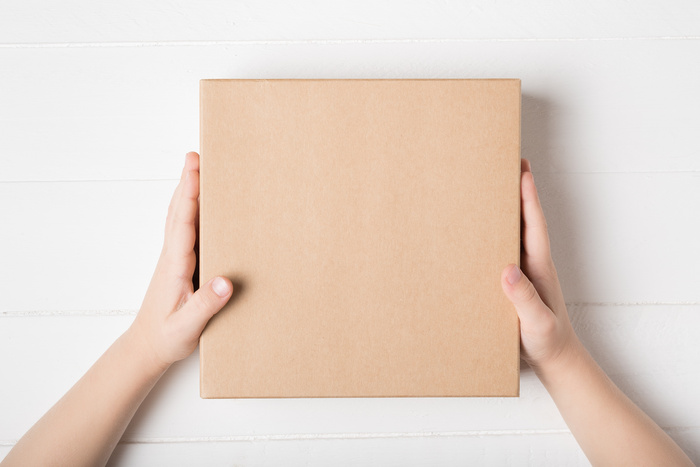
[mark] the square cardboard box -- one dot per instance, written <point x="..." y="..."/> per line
<point x="365" y="225"/>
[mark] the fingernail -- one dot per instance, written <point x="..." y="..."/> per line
<point x="513" y="275"/>
<point x="220" y="287"/>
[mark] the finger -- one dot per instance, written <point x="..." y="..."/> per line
<point x="191" y="163"/>
<point x="522" y="293"/>
<point x="180" y="205"/>
<point x="181" y="235"/>
<point x="178" y="257"/>
<point x="535" y="237"/>
<point x="203" y="304"/>
<point x="525" y="165"/>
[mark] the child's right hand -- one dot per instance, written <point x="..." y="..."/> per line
<point x="547" y="337"/>
<point x="608" y="426"/>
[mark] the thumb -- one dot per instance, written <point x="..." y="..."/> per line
<point x="205" y="303"/>
<point x="523" y="295"/>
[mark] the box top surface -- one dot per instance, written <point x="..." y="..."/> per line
<point x="366" y="223"/>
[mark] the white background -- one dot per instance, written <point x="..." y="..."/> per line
<point x="99" y="104"/>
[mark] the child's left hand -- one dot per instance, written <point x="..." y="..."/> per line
<point x="173" y="315"/>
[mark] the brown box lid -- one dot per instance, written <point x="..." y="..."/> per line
<point x="365" y="225"/>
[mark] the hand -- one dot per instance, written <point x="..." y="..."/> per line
<point x="173" y="315"/>
<point x="610" y="429"/>
<point x="545" y="330"/>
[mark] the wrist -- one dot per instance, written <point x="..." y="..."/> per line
<point x="141" y="348"/>
<point x="571" y="356"/>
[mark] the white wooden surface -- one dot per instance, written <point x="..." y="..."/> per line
<point x="98" y="104"/>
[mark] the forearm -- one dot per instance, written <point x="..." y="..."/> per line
<point x="608" y="426"/>
<point x="84" y="426"/>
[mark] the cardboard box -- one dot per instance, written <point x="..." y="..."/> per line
<point x="365" y="225"/>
